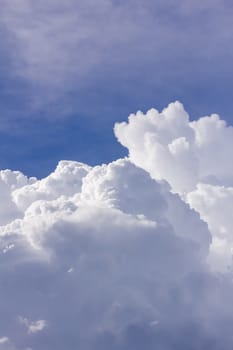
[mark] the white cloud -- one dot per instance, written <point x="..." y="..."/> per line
<point x="10" y="181"/>
<point x="6" y="344"/>
<point x="65" y="180"/>
<point x="214" y="203"/>
<point x="171" y="147"/>
<point x="123" y="236"/>
<point x="3" y="340"/>
<point x="109" y="257"/>
<point x="34" y="326"/>
<point x="194" y="157"/>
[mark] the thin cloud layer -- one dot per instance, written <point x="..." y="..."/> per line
<point x="121" y="255"/>
<point x="59" y="47"/>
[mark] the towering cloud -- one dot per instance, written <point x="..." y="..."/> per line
<point x="194" y="157"/>
<point x="122" y="255"/>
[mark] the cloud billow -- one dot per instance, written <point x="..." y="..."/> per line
<point x="122" y="255"/>
<point x="194" y="157"/>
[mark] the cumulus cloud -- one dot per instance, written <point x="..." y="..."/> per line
<point x="214" y="203"/>
<point x="170" y="146"/>
<point x="10" y="181"/>
<point x="194" y="157"/>
<point x="122" y="255"/>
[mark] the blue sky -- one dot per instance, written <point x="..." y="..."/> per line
<point x="70" y="70"/>
<point x="136" y="253"/>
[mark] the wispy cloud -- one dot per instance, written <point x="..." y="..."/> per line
<point x="58" y="47"/>
<point x="33" y="326"/>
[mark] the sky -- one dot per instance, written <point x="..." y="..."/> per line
<point x="116" y="175"/>
<point x="69" y="71"/>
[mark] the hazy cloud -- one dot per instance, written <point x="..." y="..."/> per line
<point x="58" y="47"/>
